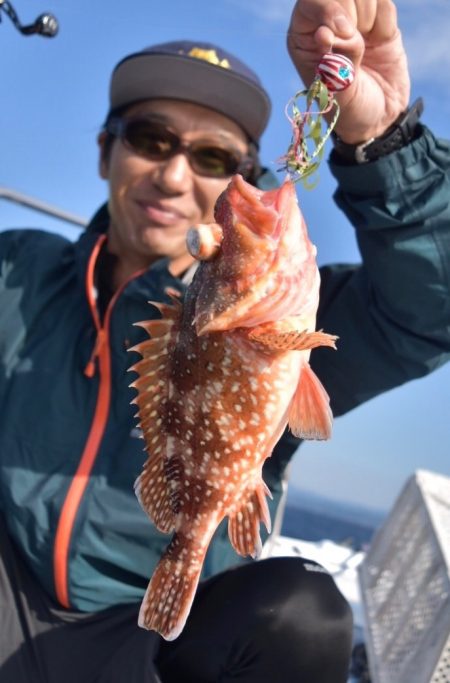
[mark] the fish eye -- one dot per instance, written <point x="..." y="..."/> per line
<point x="203" y="241"/>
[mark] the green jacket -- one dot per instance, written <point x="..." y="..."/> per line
<point x="69" y="448"/>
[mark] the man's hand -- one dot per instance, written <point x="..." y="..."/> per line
<point x="366" y="31"/>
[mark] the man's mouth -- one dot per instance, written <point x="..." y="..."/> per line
<point x="162" y="215"/>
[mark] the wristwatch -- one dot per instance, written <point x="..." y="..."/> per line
<point x="397" y="136"/>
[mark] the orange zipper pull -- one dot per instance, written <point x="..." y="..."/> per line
<point x="89" y="370"/>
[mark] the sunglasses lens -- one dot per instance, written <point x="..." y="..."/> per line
<point x="150" y="139"/>
<point x="154" y="141"/>
<point x="214" y="162"/>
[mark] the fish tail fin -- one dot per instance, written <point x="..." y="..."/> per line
<point x="170" y="593"/>
<point x="310" y="416"/>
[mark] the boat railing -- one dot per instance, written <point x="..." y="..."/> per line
<point x="42" y="207"/>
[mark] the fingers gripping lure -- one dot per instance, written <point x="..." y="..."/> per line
<point x="334" y="73"/>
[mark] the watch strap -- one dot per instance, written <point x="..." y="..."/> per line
<point x="399" y="134"/>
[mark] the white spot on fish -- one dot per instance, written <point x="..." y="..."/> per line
<point x="269" y="409"/>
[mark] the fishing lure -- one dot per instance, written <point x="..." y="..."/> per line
<point x="334" y="73"/>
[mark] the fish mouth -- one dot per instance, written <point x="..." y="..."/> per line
<point x="246" y="289"/>
<point x="259" y="210"/>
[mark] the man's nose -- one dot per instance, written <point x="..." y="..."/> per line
<point x="175" y="175"/>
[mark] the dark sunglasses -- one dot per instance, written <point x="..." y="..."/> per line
<point x="153" y="140"/>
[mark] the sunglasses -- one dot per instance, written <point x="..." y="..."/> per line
<point x="153" y="140"/>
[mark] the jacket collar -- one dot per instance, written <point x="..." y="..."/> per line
<point x="100" y="220"/>
<point x="150" y="283"/>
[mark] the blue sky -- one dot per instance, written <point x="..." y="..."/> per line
<point x="54" y="98"/>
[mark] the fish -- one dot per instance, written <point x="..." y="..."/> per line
<point x="222" y="374"/>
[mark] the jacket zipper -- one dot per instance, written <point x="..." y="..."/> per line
<point x="80" y="480"/>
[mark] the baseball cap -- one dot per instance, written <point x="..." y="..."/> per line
<point x="197" y="72"/>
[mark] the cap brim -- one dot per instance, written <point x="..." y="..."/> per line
<point x="152" y="75"/>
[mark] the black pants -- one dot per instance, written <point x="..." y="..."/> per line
<point x="280" y="620"/>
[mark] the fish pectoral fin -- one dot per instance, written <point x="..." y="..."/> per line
<point x="285" y="336"/>
<point x="243" y="526"/>
<point x="310" y="416"/>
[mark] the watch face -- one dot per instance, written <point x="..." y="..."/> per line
<point x="361" y="152"/>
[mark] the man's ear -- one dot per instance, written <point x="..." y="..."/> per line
<point x="103" y="161"/>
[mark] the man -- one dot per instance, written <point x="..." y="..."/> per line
<point x="76" y="549"/>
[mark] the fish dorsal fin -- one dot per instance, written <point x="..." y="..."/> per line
<point x="156" y="487"/>
<point x="243" y="526"/>
<point x="310" y="415"/>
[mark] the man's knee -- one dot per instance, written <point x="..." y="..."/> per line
<point x="297" y="595"/>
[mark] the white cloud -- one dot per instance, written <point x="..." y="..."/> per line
<point x="425" y="26"/>
<point x="417" y="11"/>
<point x="426" y="36"/>
<point x="432" y="63"/>
<point x="273" y="11"/>
<point x="422" y="4"/>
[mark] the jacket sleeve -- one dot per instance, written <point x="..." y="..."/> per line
<point x="392" y="312"/>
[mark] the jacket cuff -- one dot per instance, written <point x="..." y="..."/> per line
<point x="405" y="187"/>
<point x="380" y="175"/>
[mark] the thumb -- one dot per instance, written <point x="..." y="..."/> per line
<point x="316" y="27"/>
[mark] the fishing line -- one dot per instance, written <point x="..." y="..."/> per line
<point x="310" y="130"/>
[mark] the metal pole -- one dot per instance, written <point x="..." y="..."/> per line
<point x="30" y="202"/>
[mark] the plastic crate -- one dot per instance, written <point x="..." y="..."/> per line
<point x="405" y="586"/>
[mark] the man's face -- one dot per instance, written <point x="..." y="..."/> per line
<point x="152" y="204"/>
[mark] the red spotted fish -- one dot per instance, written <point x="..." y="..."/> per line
<point x="221" y="376"/>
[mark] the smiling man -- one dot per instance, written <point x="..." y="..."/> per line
<point x="153" y="204"/>
<point x="76" y="549"/>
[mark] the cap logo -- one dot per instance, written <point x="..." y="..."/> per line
<point x="209" y="56"/>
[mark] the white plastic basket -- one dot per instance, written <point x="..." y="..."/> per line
<point x="405" y="586"/>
